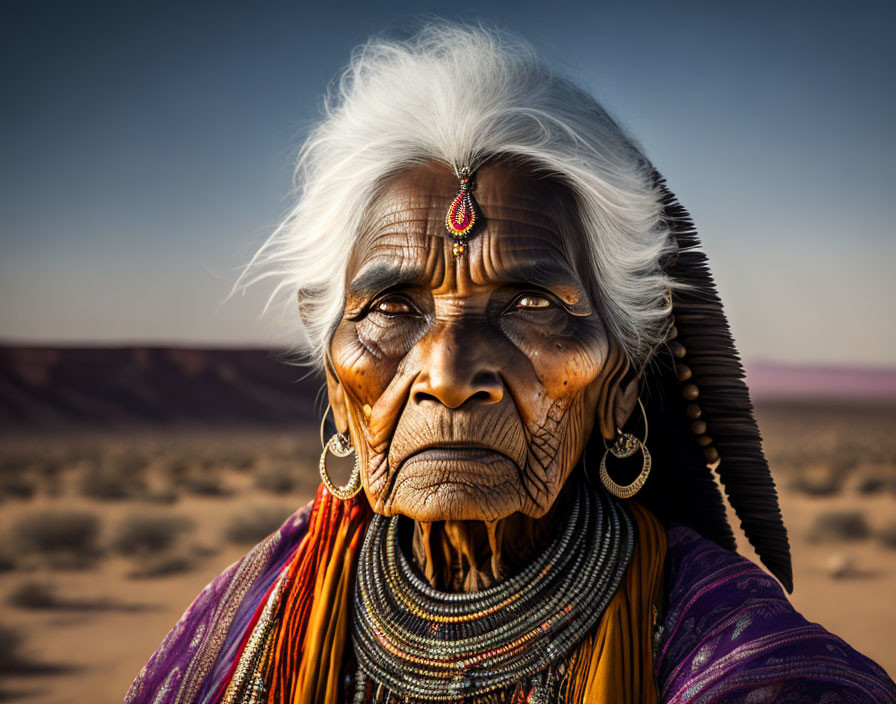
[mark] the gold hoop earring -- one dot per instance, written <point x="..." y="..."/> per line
<point x="627" y="445"/>
<point x="341" y="446"/>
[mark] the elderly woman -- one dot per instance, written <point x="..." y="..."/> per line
<point x="525" y="354"/>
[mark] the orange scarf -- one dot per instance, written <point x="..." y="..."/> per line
<point x="613" y="664"/>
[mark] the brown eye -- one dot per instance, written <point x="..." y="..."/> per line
<point x="392" y="306"/>
<point x="531" y="301"/>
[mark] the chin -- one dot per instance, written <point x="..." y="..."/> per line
<point x="431" y="489"/>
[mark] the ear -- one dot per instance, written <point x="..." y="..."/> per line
<point x="625" y="401"/>
<point x="302" y="307"/>
<point x="336" y="394"/>
<point x="613" y="392"/>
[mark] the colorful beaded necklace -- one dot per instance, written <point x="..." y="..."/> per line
<point x="508" y="642"/>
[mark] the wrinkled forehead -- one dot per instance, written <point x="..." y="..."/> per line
<point x="523" y="235"/>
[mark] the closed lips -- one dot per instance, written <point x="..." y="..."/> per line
<point x="457" y="452"/>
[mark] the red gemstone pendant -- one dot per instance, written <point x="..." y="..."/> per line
<point x="461" y="217"/>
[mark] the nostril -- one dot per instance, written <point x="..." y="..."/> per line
<point x="421" y="396"/>
<point x="484" y="396"/>
<point x="489" y="387"/>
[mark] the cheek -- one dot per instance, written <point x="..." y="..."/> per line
<point x="375" y="391"/>
<point x="569" y="368"/>
<point x="389" y="337"/>
<point x="364" y="370"/>
<point x="565" y="359"/>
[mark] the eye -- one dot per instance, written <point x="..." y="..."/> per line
<point x="392" y="305"/>
<point x="531" y="301"/>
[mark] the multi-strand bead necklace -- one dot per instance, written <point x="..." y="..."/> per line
<point x="414" y="643"/>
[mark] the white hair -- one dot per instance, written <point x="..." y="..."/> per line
<point x="462" y="95"/>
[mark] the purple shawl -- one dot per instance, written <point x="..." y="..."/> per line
<point x="729" y="635"/>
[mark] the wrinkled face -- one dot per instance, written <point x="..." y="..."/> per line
<point x="470" y="385"/>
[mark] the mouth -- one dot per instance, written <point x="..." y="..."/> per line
<point x="457" y="452"/>
<point x="455" y="481"/>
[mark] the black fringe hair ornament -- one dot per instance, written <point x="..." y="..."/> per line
<point x="701" y="418"/>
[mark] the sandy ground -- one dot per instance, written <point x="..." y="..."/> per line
<point x="90" y="644"/>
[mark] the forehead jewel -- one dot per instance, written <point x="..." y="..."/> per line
<point x="462" y="214"/>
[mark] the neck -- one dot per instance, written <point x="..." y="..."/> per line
<point x="468" y="556"/>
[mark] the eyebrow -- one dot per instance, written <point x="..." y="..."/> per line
<point x="547" y="274"/>
<point x="543" y="273"/>
<point x="378" y="277"/>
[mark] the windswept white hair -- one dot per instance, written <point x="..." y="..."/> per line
<point x="461" y="95"/>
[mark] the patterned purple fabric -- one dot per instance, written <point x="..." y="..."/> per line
<point x="732" y="636"/>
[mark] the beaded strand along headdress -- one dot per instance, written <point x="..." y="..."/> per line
<point x="701" y="417"/>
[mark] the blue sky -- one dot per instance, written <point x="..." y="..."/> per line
<point x="147" y="149"/>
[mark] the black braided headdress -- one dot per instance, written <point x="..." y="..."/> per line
<point x="701" y="418"/>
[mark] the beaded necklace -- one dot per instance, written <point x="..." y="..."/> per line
<point x="509" y="642"/>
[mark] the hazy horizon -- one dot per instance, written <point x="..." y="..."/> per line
<point x="148" y="149"/>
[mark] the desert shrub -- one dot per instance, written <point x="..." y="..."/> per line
<point x="161" y="496"/>
<point x="14" y="463"/>
<point x="279" y="479"/>
<point x="241" y="460"/>
<point x="11" y="657"/>
<point x="891" y="483"/>
<point x="252" y="524"/>
<point x="840" y="565"/>
<point x="107" y="482"/>
<point x="54" y="533"/>
<point x="203" y="550"/>
<point x="887" y="536"/>
<point x="302" y="466"/>
<point x="177" y="467"/>
<point x="149" y="532"/>
<point x="872" y="485"/>
<point x="839" y="526"/>
<point x="92" y="454"/>
<point x="7" y="558"/>
<point x="128" y="462"/>
<point x="50" y="467"/>
<point x="17" y="485"/>
<point x="161" y="565"/>
<point x="843" y="464"/>
<point x="203" y="483"/>
<point x="826" y="484"/>
<point x="33" y="594"/>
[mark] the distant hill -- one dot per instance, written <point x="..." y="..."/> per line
<point x="72" y="388"/>
<point x="770" y="381"/>
<point x="47" y="388"/>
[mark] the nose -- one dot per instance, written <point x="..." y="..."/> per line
<point x="458" y="367"/>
